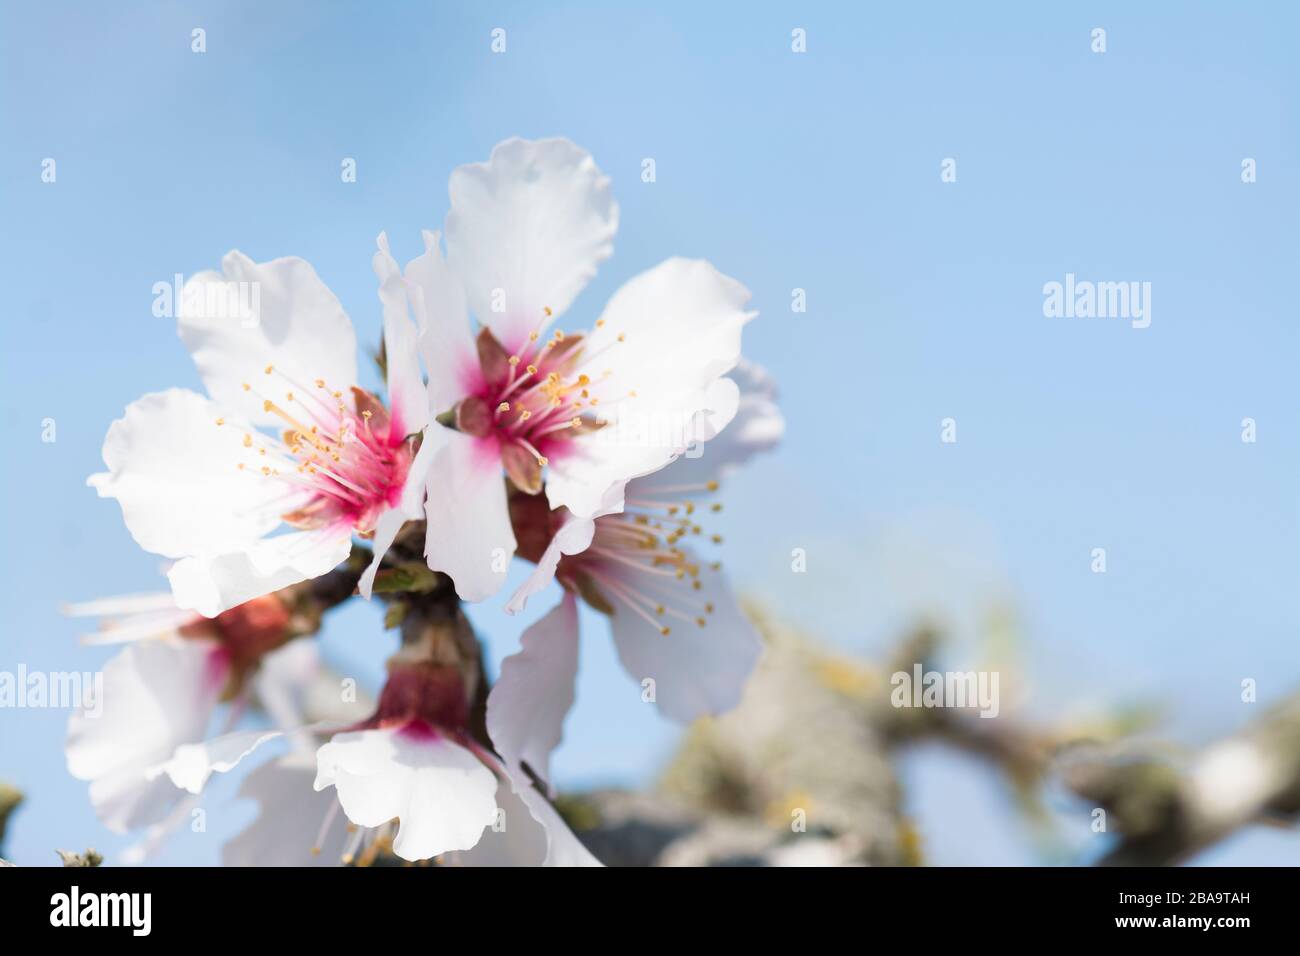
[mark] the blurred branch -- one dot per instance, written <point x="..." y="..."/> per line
<point x="1166" y="813"/>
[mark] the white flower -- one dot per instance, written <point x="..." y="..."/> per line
<point x="524" y="235"/>
<point x="673" y="616"/>
<point x="414" y="762"/>
<point x="199" y="482"/>
<point x="146" y="741"/>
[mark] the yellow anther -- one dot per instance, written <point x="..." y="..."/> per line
<point x="315" y="851"/>
<point x="632" y="394"/>
<point x="716" y="507"/>
<point x="695" y="584"/>
<point x="514" y="360"/>
<point x="708" y="608"/>
<point x="240" y="466"/>
<point x="575" y="423"/>
<point x="559" y="333"/>
<point x="248" y="441"/>
<point x="622" y="336"/>
<point x="288" y="396"/>
<point x="700" y="621"/>
<point x="712" y="485"/>
<point x="532" y="369"/>
<point x="600" y="323"/>
<point x="269" y="369"/>
<point x="247" y="387"/>
<point x="659" y="609"/>
<point x="320" y="383"/>
<point x="665" y="631"/>
<point x="268" y="405"/>
<point x="367" y="414"/>
<point x="532" y="336"/>
<point x="503" y="407"/>
<point x="542" y="461"/>
<point x="525" y="415"/>
<point x="221" y="421"/>
<point x="266" y="470"/>
<point x="547" y="310"/>
<point x="716" y="539"/>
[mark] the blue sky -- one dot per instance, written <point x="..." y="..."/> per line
<point x="817" y="171"/>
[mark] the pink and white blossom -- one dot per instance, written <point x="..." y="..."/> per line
<point x="415" y="763"/>
<point x="147" y="741"/>
<point x="283" y="439"/>
<point x="672" y="613"/>
<point x="571" y="415"/>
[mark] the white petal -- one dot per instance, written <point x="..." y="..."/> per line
<point x="156" y="836"/>
<point x="212" y="584"/>
<point x="130" y="798"/>
<point x="527" y="705"/>
<point x="175" y="473"/>
<point x="562" y="847"/>
<point x="409" y="508"/>
<point x="468" y="532"/>
<point x="407" y="401"/>
<point x="573" y="537"/>
<point x="298" y="327"/>
<point x="680" y="325"/>
<point x="286" y="678"/>
<point x="530" y="833"/>
<point x="438" y="301"/>
<point x="757" y="427"/>
<point x="697" y="671"/>
<point x="531" y="224"/>
<point x="156" y="696"/>
<point x="441" y="793"/>
<point x="292" y="817"/>
<point x="192" y="764"/>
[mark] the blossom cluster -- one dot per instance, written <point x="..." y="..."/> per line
<point x="593" y="453"/>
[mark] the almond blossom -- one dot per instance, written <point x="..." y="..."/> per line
<point x="151" y="743"/>
<point x="200" y="480"/>
<point x="576" y="414"/>
<point x="672" y="613"/>
<point x="414" y="762"/>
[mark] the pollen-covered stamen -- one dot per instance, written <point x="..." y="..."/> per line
<point x="343" y="456"/>
<point x="634" y="561"/>
<point x="538" y="399"/>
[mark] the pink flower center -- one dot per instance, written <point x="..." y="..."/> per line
<point x="532" y="403"/>
<point x="351" y="461"/>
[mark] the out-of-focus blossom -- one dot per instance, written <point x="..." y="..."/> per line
<point x="148" y="741"/>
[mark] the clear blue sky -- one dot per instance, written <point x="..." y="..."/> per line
<point x="818" y="171"/>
